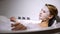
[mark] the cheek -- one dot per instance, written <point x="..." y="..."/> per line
<point x="44" y="16"/>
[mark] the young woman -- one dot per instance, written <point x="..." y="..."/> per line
<point x="47" y="14"/>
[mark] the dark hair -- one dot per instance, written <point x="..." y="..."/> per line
<point x="53" y="11"/>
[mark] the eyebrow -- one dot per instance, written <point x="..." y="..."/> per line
<point x="43" y="10"/>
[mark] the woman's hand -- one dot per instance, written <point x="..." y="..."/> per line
<point x="18" y="26"/>
<point x="13" y="19"/>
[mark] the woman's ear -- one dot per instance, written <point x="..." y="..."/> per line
<point x="50" y="16"/>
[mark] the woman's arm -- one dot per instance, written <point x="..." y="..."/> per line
<point x="18" y="26"/>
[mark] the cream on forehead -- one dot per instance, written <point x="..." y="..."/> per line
<point x="45" y="8"/>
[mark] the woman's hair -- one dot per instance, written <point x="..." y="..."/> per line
<point x="53" y="11"/>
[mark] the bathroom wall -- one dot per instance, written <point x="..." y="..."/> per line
<point x="25" y="8"/>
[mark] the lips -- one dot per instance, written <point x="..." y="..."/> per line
<point x="40" y="15"/>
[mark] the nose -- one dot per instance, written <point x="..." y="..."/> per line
<point x="40" y="13"/>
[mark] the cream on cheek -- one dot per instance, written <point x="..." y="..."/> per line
<point x="45" y="14"/>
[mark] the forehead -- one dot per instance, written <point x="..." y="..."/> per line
<point x="45" y="8"/>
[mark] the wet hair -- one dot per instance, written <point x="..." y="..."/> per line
<point x="53" y="11"/>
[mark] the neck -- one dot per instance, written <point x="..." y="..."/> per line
<point x="44" y="23"/>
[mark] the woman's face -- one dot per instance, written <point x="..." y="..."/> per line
<point x="44" y="13"/>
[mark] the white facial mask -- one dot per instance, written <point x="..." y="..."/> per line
<point x="44" y="13"/>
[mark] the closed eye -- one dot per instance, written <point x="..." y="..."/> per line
<point x="44" y="12"/>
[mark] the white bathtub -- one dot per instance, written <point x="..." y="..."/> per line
<point x="6" y="26"/>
